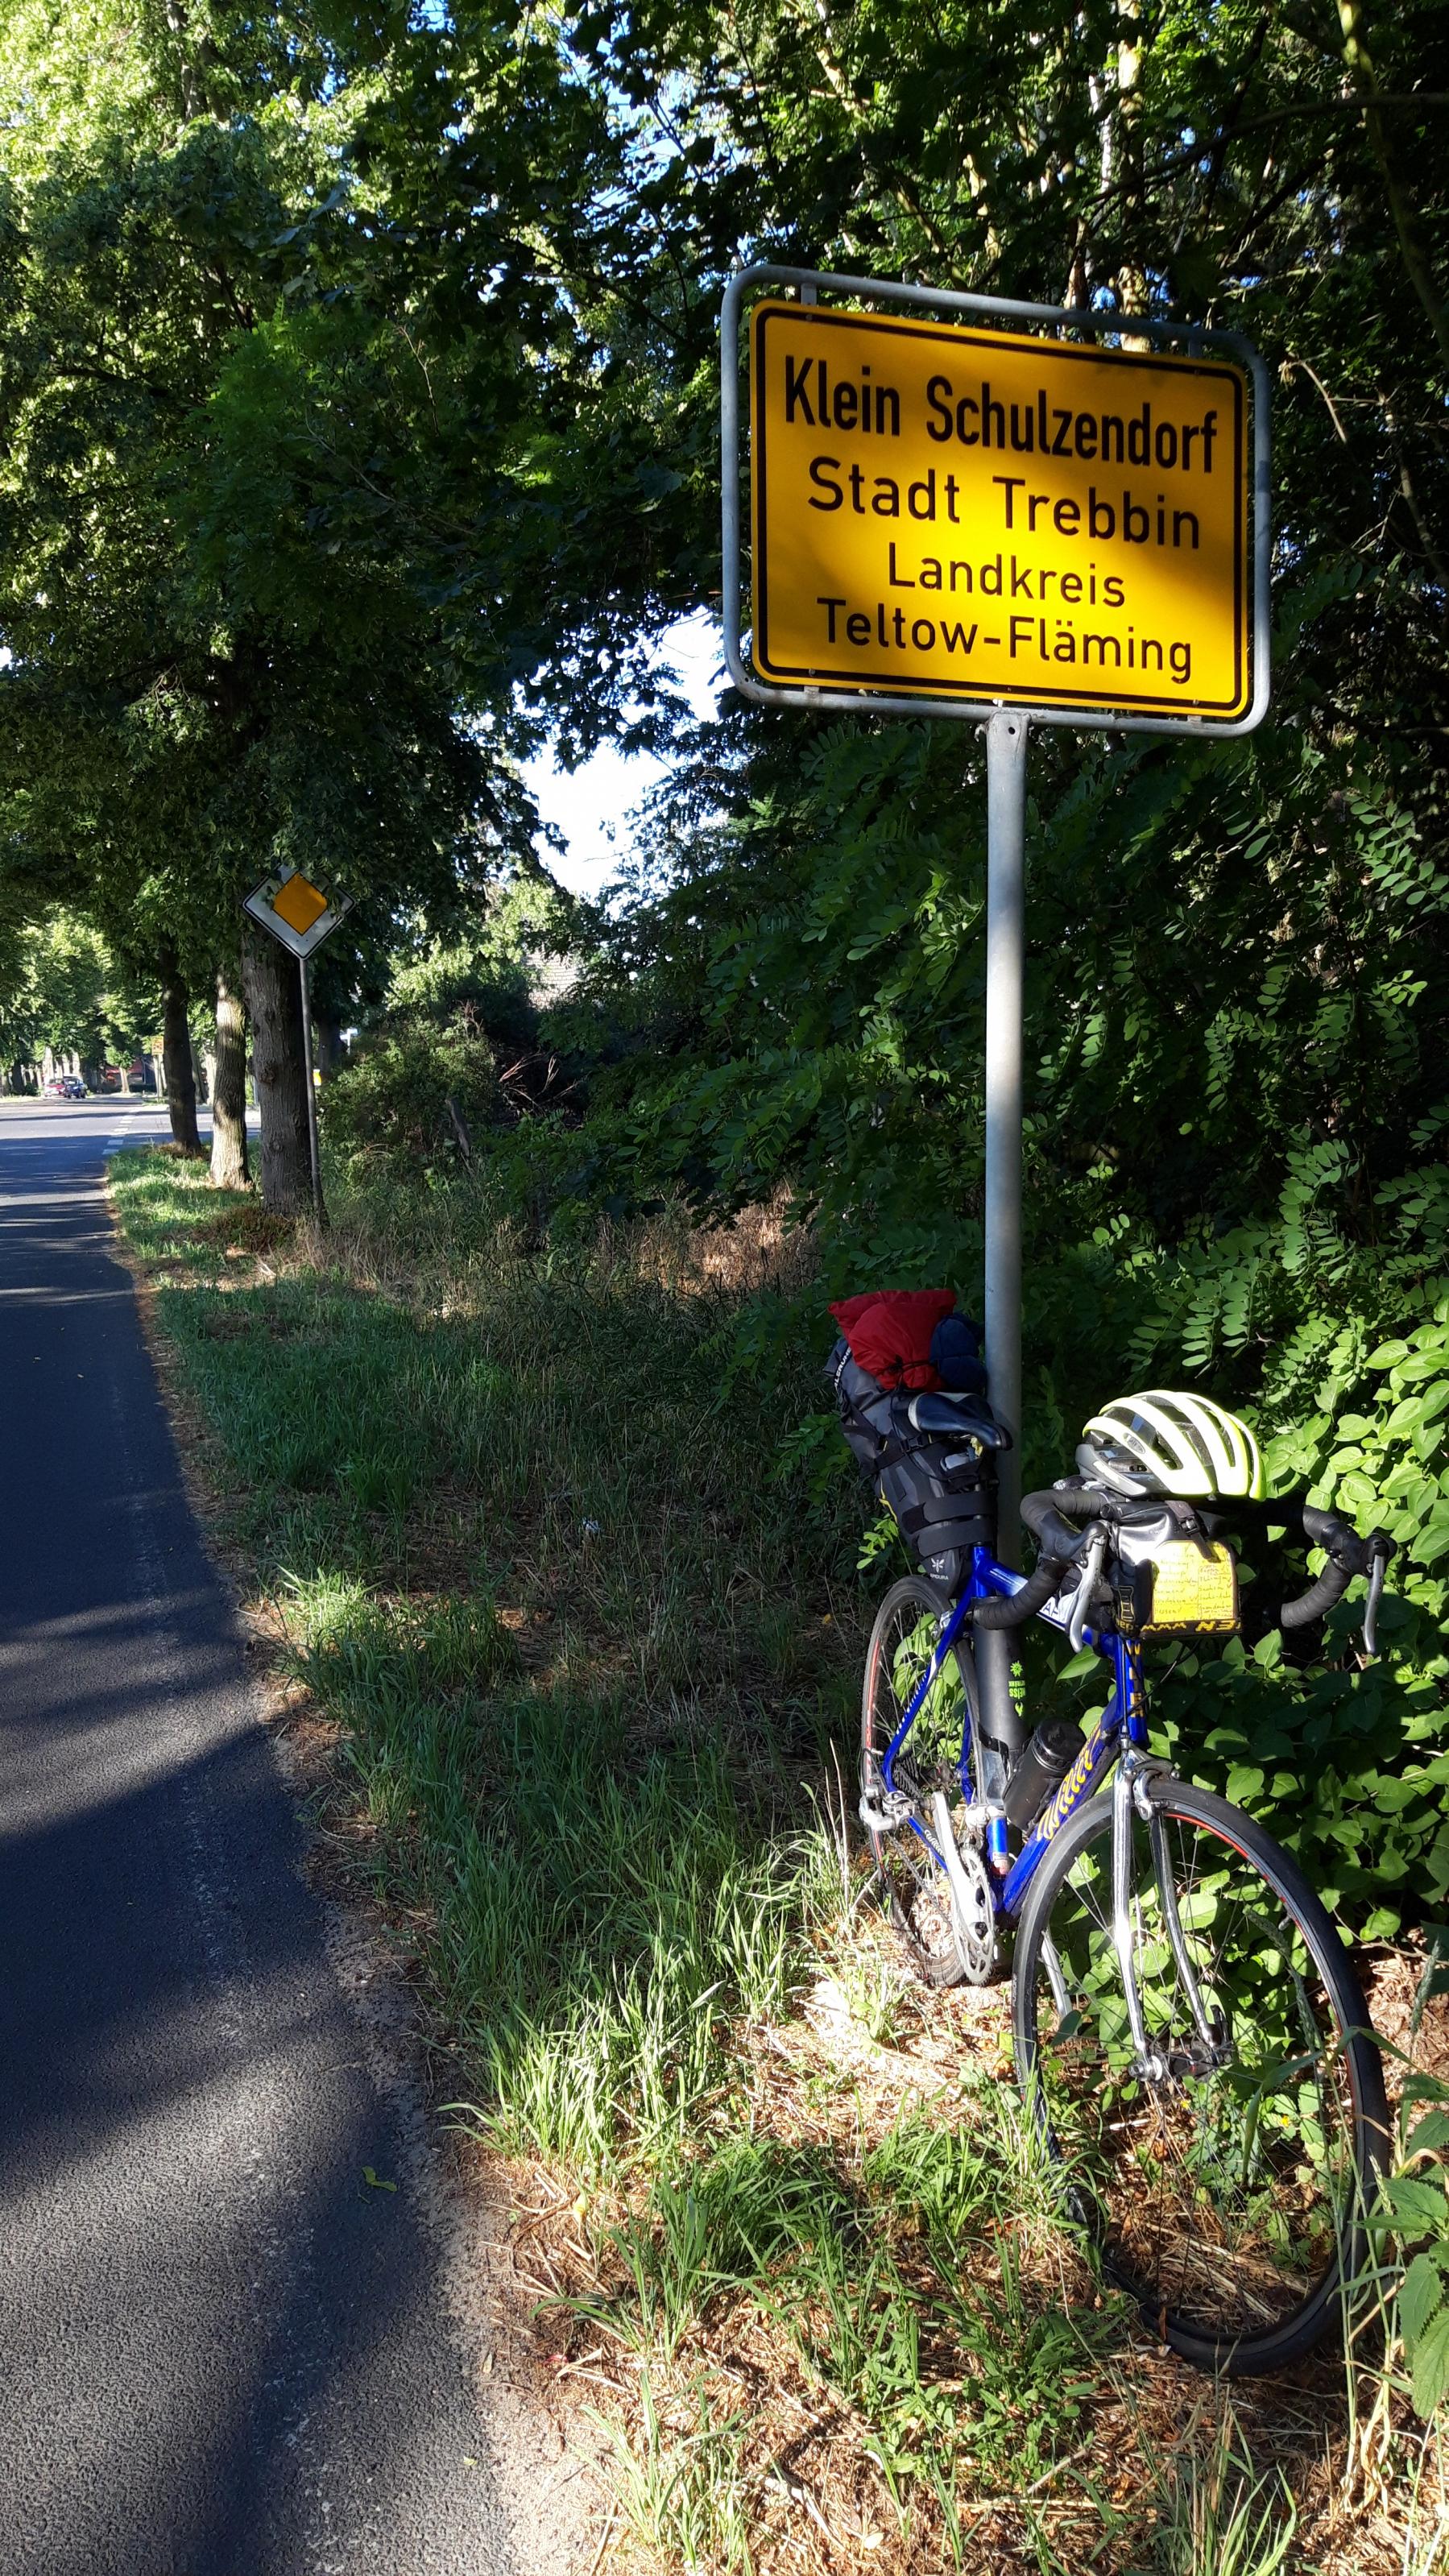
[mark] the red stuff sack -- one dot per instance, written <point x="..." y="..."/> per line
<point x="889" y="1331"/>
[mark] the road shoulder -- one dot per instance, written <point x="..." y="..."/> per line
<point x="545" y="2458"/>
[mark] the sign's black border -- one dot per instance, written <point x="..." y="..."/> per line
<point x="797" y="675"/>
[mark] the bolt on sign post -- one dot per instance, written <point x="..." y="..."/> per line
<point x="301" y="916"/>
<point x="983" y="510"/>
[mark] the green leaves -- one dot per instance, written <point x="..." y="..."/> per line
<point x="1416" y="2207"/>
<point x="1413" y="2209"/>
<point x="283" y="522"/>
<point x="1431" y="2366"/>
<point x="1419" y="2211"/>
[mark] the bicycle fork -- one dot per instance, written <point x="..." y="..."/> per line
<point x="1129" y="1796"/>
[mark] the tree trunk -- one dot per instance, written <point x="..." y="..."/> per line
<point x="229" y="1091"/>
<point x="180" y="1079"/>
<point x="274" y="1006"/>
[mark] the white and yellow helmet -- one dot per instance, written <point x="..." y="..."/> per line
<point x="1166" y="1442"/>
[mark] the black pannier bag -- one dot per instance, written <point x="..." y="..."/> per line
<point x="939" y="1489"/>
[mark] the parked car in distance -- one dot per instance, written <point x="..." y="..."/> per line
<point x="65" y="1086"/>
<point x="110" y="1077"/>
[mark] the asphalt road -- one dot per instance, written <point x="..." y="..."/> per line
<point x="222" y="2353"/>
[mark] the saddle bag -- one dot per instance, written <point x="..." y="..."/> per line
<point x="939" y="1490"/>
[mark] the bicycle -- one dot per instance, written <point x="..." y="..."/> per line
<point x="1191" y="2043"/>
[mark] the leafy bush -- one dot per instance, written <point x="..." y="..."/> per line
<point x="1412" y="2219"/>
<point x="455" y="1051"/>
<point x="1345" y="1765"/>
<point x="390" y="1106"/>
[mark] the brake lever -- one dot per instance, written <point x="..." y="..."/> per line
<point x="1091" y="1570"/>
<point x="1371" y="1607"/>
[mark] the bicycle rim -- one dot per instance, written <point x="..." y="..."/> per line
<point x="1228" y="2196"/>
<point x="912" y="1880"/>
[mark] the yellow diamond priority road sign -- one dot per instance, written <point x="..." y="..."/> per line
<point x="296" y="911"/>
<point x="946" y="512"/>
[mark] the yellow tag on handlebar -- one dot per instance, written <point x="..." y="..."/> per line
<point x="1188" y="1589"/>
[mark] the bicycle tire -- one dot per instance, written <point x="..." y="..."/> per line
<point x="911" y="1879"/>
<point x="1227" y="2281"/>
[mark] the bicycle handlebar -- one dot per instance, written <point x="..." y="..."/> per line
<point x="1331" y="1586"/>
<point x="1061" y="1545"/>
<point x="1012" y="1610"/>
<point x="1348" y="1555"/>
<point x="1042" y="1514"/>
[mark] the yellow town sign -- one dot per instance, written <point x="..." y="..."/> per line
<point x="947" y="512"/>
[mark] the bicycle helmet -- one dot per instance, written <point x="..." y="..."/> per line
<point x="1166" y="1442"/>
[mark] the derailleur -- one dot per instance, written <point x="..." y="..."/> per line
<point x="883" y="1810"/>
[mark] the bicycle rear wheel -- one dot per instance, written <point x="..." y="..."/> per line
<point x="1228" y="2193"/>
<point x="912" y="1880"/>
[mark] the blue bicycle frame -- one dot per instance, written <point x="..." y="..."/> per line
<point x="1122" y="1722"/>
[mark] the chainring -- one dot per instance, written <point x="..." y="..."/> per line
<point x="974" y="1921"/>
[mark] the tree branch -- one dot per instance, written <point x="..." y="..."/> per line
<point x="1361" y="72"/>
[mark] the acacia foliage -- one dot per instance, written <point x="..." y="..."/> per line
<point x="1236" y="1003"/>
<point x="1236" y="990"/>
<point x="1235" y="946"/>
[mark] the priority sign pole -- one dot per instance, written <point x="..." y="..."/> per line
<point x="300" y="915"/>
<point x="318" y="1209"/>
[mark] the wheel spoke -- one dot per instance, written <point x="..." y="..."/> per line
<point x="1222" y="2192"/>
<point x="912" y="1880"/>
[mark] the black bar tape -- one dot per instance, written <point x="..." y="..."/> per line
<point x="1331" y="1586"/>
<point x="1054" y="1537"/>
<point x="1014" y="1610"/>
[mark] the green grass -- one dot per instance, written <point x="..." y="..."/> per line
<point x="602" y="1908"/>
<point x="598" y="1810"/>
<point x="592" y="1665"/>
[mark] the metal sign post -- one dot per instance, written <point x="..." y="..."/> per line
<point x="1006" y="738"/>
<point x="317" y="1208"/>
<point x="301" y="916"/>
<point x="1005" y="970"/>
<point x="974" y="509"/>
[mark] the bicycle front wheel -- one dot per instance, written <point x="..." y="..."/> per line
<point x="1227" y="2185"/>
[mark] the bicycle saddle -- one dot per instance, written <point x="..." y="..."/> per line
<point x="957" y="1416"/>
